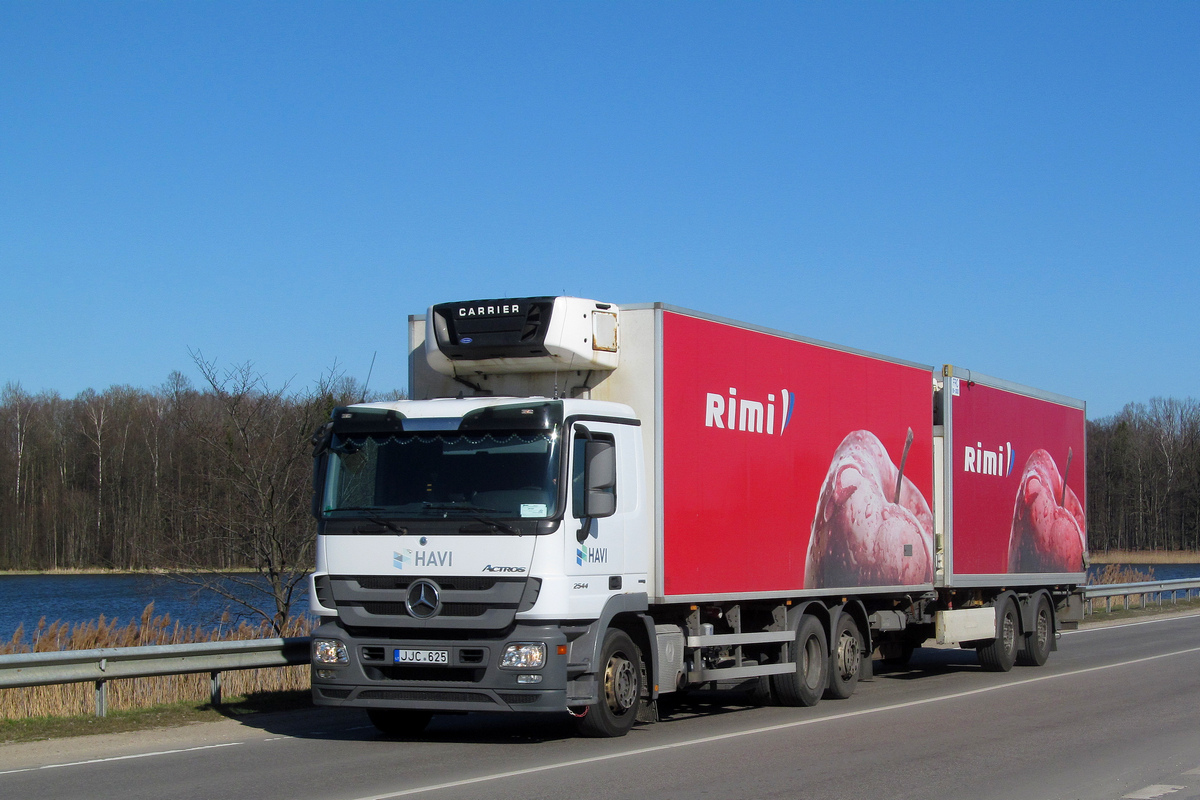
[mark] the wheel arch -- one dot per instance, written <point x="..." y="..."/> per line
<point x="628" y="613"/>
<point x="855" y="608"/>
<point x="998" y="602"/>
<point x="813" y="608"/>
<point x="1027" y="608"/>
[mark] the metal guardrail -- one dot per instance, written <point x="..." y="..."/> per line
<point x="113" y="663"/>
<point x="1146" y="589"/>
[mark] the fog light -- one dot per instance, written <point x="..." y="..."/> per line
<point x="327" y="674"/>
<point x="535" y="678"/>
<point x="524" y="655"/>
<point x="330" y="651"/>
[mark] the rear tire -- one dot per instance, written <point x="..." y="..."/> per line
<point x="845" y="662"/>
<point x="1035" y="648"/>
<point x="620" y="687"/>
<point x="810" y="651"/>
<point x="999" y="654"/>
<point x="399" y="722"/>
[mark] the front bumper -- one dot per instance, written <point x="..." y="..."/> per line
<point x="471" y="680"/>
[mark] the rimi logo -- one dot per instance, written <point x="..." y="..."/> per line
<point x="997" y="462"/>
<point x="753" y="416"/>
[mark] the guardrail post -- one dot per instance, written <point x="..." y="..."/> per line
<point x="101" y="698"/>
<point x="214" y="688"/>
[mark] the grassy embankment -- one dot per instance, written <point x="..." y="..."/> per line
<point x="65" y="709"/>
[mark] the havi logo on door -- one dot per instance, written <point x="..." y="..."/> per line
<point x="736" y="413"/>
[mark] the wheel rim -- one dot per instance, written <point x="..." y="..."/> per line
<point x="1043" y="627"/>
<point x="620" y="684"/>
<point x="1009" y="632"/>
<point x="849" y="658"/>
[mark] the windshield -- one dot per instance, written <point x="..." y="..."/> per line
<point x="447" y="475"/>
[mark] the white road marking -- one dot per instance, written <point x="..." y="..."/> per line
<point x="121" y="758"/>
<point x="1130" y="624"/>
<point x="1151" y="792"/>
<point x="1195" y="771"/>
<point x="766" y="729"/>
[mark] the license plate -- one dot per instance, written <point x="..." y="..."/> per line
<point x="421" y="656"/>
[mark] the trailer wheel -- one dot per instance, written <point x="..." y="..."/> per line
<point x="399" y="722"/>
<point x="999" y="654"/>
<point x="845" y="662"/>
<point x="810" y="651"/>
<point x="1035" y="648"/>
<point x="620" y="689"/>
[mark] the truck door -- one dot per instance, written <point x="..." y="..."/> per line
<point x="595" y="552"/>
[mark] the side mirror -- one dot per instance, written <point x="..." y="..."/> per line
<point x="600" y="478"/>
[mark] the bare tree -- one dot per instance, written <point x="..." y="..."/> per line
<point x="256" y="439"/>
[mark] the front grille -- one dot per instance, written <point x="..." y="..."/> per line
<point x="334" y="694"/>
<point x="448" y="609"/>
<point x="463" y="583"/>
<point x="467" y="601"/>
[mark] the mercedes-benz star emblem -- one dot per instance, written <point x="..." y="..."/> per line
<point x="423" y="601"/>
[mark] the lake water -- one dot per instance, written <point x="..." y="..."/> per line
<point x="1162" y="572"/>
<point x="83" y="598"/>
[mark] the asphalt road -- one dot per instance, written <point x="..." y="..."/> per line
<point x="1114" y="714"/>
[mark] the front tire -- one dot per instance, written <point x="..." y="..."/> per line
<point x="810" y="651"/>
<point x="999" y="654"/>
<point x="620" y="689"/>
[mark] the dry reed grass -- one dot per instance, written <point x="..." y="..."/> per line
<point x="75" y="699"/>
<point x="1122" y="573"/>
<point x="1145" y="557"/>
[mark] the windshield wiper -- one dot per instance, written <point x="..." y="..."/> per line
<point x="391" y="526"/>
<point x="378" y="520"/>
<point x="465" y="506"/>
<point x="497" y="524"/>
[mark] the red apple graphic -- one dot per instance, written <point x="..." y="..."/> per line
<point x="873" y="527"/>
<point x="1048" y="527"/>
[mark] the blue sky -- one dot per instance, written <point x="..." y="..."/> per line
<point x="1013" y="188"/>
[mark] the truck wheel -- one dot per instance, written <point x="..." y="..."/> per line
<point x="620" y="688"/>
<point x="845" y="662"/>
<point x="999" y="654"/>
<point x="1035" y="648"/>
<point x="400" y="722"/>
<point x="806" y="684"/>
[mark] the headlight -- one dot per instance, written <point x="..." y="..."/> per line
<point x="330" y="651"/>
<point x="524" y="655"/>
